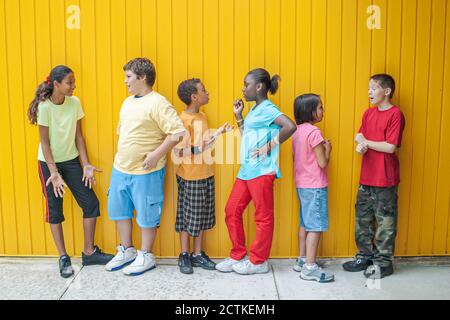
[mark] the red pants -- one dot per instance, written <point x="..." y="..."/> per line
<point x="260" y="190"/>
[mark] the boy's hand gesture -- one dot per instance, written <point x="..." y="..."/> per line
<point x="150" y="160"/>
<point x="225" y="128"/>
<point x="361" y="148"/>
<point x="238" y="107"/>
<point x="359" y="138"/>
<point x="88" y="175"/>
<point x="58" y="184"/>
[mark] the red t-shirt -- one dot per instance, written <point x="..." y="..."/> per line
<point x="381" y="169"/>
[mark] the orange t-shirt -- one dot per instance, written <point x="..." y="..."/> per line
<point x="199" y="166"/>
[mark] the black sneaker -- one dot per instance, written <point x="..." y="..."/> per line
<point x="65" y="266"/>
<point x="202" y="260"/>
<point x="357" y="265"/>
<point x="96" y="258"/>
<point x="184" y="262"/>
<point x="378" y="272"/>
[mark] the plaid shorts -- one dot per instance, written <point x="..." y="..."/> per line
<point x="196" y="206"/>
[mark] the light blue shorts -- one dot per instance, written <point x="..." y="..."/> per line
<point x="313" y="209"/>
<point x="143" y="193"/>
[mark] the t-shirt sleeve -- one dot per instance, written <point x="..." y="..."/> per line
<point x="186" y="141"/>
<point x="315" y="138"/>
<point x="42" y="116"/>
<point x="80" y="112"/>
<point x="395" y="128"/>
<point x="272" y="114"/>
<point x="118" y="128"/>
<point x="362" y="128"/>
<point x="167" y="118"/>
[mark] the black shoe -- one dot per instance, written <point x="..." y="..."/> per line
<point x="96" y="258"/>
<point x="184" y="262"/>
<point x="202" y="260"/>
<point x="357" y="265"/>
<point x="65" y="266"/>
<point x="378" y="272"/>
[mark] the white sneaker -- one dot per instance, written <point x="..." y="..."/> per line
<point x="122" y="258"/>
<point x="227" y="264"/>
<point x="145" y="261"/>
<point x="249" y="268"/>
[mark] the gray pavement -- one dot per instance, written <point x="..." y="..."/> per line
<point x="38" y="278"/>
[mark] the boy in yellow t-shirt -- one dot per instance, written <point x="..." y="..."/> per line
<point x="195" y="177"/>
<point x="148" y="129"/>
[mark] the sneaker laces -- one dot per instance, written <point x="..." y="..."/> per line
<point x="120" y="253"/>
<point x="140" y="258"/>
<point x="246" y="263"/>
<point x="186" y="258"/>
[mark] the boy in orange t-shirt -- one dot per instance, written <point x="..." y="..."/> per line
<point x="195" y="177"/>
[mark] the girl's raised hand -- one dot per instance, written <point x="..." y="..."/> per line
<point x="238" y="107"/>
<point x="88" y="175"/>
<point x="58" y="184"/>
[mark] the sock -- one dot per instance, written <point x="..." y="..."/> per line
<point x="310" y="267"/>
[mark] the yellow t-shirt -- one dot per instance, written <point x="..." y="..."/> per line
<point x="144" y="123"/>
<point x="196" y="167"/>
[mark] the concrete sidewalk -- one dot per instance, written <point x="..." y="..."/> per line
<point x="36" y="278"/>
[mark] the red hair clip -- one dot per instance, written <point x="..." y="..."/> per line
<point x="48" y="80"/>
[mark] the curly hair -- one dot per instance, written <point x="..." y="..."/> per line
<point x="142" y="67"/>
<point x="186" y="89"/>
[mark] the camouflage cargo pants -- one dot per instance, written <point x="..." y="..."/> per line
<point x="376" y="223"/>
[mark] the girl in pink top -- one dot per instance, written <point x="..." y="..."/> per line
<point x="311" y="156"/>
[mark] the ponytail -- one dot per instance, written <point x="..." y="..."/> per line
<point x="274" y="84"/>
<point x="45" y="90"/>
<point x="262" y="76"/>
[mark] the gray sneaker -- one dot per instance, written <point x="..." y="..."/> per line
<point x="316" y="274"/>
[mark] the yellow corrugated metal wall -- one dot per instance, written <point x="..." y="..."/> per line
<point x="323" y="46"/>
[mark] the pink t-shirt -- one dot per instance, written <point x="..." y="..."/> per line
<point x="308" y="173"/>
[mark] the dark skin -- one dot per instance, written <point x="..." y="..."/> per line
<point x="257" y="92"/>
<point x="60" y="91"/>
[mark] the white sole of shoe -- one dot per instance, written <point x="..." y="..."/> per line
<point x="247" y="274"/>
<point x="310" y="278"/>
<point x="121" y="266"/>
<point x="225" y="271"/>
<point x="133" y="274"/>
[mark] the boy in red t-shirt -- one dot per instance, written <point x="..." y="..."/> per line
<point x="378" y="139"/>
